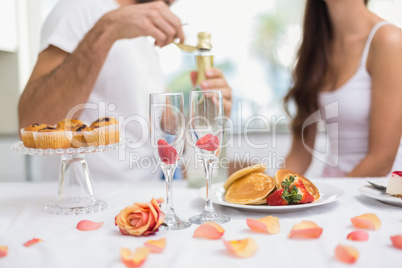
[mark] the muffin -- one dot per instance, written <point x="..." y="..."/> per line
<point x="69" y="124"/>
<point x="103" y="131"/>
<point x="27" y="134"/>
<point x="52" y="138"/>
<point x="78" y="136"/>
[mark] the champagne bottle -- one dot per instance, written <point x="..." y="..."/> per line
<point x="204" y="57"/>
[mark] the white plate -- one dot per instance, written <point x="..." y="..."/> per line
<point x="380" y="195"/>
<point x="328" y="193"/>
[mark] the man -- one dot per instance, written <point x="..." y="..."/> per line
<point x="96" y="52"/>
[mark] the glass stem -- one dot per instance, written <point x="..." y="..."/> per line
<point x="209" y="167"/>
<point x="168" y="172"/>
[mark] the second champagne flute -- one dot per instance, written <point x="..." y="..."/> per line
<point x="167" y="140"/>
<point x="206" y="126"/>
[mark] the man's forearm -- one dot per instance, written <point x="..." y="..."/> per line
<point x="49" y="98"/>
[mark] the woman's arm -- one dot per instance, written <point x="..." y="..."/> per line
<point x="299" y="159"/>
<point x="385" y="66"/>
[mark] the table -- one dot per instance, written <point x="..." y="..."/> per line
<point x="22" y="217"/>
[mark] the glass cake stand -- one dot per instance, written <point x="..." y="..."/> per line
<point x="75" y="192"/>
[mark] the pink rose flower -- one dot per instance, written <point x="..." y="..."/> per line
<point x="141" y="218"/>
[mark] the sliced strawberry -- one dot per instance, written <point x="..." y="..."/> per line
<point x="167" y="152"/>
<point x="277" y="198"/>
<point x="306" y="197"/>
<point x="209" y="142"/>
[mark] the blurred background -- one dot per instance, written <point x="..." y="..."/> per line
<point x="254" y="44"/>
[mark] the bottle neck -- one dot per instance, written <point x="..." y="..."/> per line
<point x="205" y="61"/>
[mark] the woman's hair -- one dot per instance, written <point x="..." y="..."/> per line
<point x="312" y="63"/>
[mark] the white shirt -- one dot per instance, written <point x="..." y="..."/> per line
<point x="350" y="107"/>
<point x="131" y="71"/>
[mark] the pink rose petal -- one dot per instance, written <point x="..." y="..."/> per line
<point x="305" y="230"/>
<point x="209" y="230"/>
<point x="3" y="251"/>
<point x="32" y="242"/>
<point x="366" y="221"/>
<point x="134" y="259"/>
<point x="397" y="241"/>
<point x="241" y="248"/>
<point x="86" y="225"/>
<point x="156" y="246"/>
<point x="358" y="236"/>
<point x="267" y="224"/>
<point x="346" y="254"/>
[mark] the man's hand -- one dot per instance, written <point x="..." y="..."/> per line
<point x="216" y="81"/>
<point x="151" y="19"/>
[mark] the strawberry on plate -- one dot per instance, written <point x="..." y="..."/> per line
<point x="208" y="142"/>
<point x="277" y="198"/>
<point x="167" y="152"/>
<point x="293" y="192"/>
<point x="306" y="197"/>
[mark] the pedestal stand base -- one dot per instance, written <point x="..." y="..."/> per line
<point x="78" y="206"/>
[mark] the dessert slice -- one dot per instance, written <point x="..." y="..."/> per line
<point x="394" y="186"/>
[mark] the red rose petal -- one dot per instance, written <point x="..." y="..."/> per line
<point x="156" y="246"/>
<point x="366" y="221"/>
<point x="397" y="241"/>
<point x="358" y="236"/>
<point x="267" y="224"/>
<point x="241" y="248"/>
<point x="305" y="230"/>
<point x="3" y="251"/>
<point x="135" y="259"/>
<point x="86" y="225"/>
<point x="32" y="242"/>
<point x="209" y="230"/>
<point x="346" y="254"/>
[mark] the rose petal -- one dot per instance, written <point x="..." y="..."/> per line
<point x="135" y="259"/>
<point x="366" y="221"/>
<point x="346" y="254"/>
<point x="3" y="251"/>
<point x="241" y="248"/>
<point x="305" y="230"/>
<point x="267" y="224"/>
<point x="397" y="241"/>
<point x="358" y="236"/>
<point x="209" y="230"/>
<point x="159" y="200"/>
<point x="31" y="242"/>
<point x="156" y="246"/>
<point x="86" y="225"/>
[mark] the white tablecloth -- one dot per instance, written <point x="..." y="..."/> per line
<point x="22" y="217"/>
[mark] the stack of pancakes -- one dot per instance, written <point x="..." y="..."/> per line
<point x="250" y="186"/>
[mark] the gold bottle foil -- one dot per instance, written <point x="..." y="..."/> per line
<point x="204" y="41"/>
<point x="204" y="63"/>
<point x="205" y="60"/>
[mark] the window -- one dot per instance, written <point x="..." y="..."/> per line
<point x="255" y="44"/>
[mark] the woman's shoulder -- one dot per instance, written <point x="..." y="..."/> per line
<point x="386" y="46"/>
<point x="388" y="36"/>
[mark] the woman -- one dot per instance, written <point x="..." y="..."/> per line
<point x="350" y="69"/>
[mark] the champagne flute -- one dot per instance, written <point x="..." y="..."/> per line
<point x="206" y="128"/>
<point x="167" y="140"/>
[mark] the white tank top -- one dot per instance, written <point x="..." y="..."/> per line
<point x="349" y="120"/>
